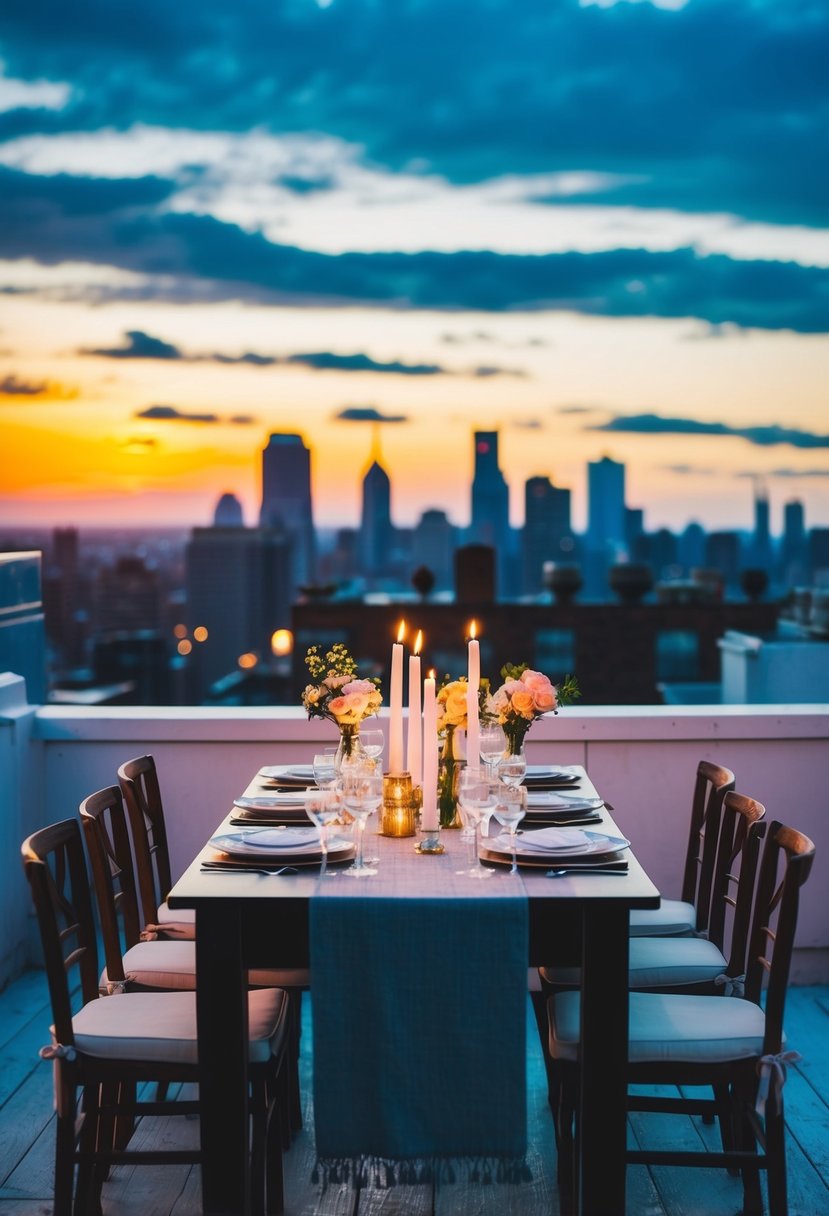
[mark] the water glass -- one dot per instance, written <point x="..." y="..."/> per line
<point x="323" y="807"/>
<point x="492" y="745"/>
<point x="362" y="793"/>
<point x="476" y="797"/>
<point x="325" y="769"/>
<point x="509" y="811"/>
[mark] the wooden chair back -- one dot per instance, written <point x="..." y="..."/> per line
<point x="787" y="863"/>
<point x="710" y="787"/>
<point x="55" y="866"/>
<point x="106" y="831"/>
<point x="735" y="877"/>
<point x="138" y="779"/>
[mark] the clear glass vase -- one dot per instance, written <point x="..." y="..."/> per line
<point x="349" y="749"/>
<point x="449" y="768"/>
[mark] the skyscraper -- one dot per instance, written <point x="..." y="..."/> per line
<point x="376" y="528"/>
<point x="605" y="522"/>
<point x="793" y="558"/>
<point x="286" y="500"/>
<point x="228" y="513"/>
<point x="546" y="525"/>
<point x="434" y="546"/>
<point x="760" y="553"/>
<point x="490" y="500"/>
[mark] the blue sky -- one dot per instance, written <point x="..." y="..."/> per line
<point x="596" y="226"/>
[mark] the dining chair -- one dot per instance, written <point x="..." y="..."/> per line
<point x="732" y="1043"/>
<point x="105" y="1048"/>
<point x="139" y="784"/>
<point x="689" y="914"/>
<point x="138" y="961"/>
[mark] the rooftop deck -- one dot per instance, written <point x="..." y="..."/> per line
<point x="27" y="1140"/>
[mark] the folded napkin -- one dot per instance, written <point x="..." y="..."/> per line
<point x="552" y="801"/>
<point x="552" y="840"/>
<point x="419" y="1061"/>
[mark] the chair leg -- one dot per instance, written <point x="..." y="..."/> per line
<point x="776" y="1155"/>
<point x="744" y="1096"/>
<point x="85" y="1203"/>
<point x="259" y="1120"/>
<point x="274" y="1179"/>
<point x="564" y="1118"/>
<point x="295" y="1094"/>
<point x="725" y="1115"/>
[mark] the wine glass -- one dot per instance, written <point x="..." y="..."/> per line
<point x="362" y="793"/>
<point x="509" y="811"/>
<point x="511" y="768"/>
<point x="373" y="742"/>
<point x="322" y="806"/>
<point x="492" y="745"/>
<point x="476" y="797"/>
<point x="325" y="769"/>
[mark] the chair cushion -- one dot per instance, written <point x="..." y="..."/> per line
<point x="670" y="1026"/>
<point x="672" y="918"/>
<point x="658" y="962"/>
<point x="180" y="924"/>
<point x="160" y="1027"/>
<point x="171" y="965"/>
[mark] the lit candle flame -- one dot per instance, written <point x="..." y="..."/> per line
<point x="432" y="674"/>
<point x="418" y="642"/>
<point x="401" y="631"/>
<point x="473" y="629"/>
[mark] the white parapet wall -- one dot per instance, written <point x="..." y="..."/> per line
<point x="642" y="759"/>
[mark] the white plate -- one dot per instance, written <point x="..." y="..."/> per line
<point x="550" y="800"/>
<point x="553" y="842"/>
<point x="268" y="842"/>
<point x="232" y="847"/>
<point x="271" y="802"/>
<point x="545" y="772"/>
<point x="288" y="772"/>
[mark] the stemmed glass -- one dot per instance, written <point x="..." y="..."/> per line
<point x="511" y="768"/>
<point x="476" y="796"/>
<point x="362" y="793"/>
<point x="325" y="769"/>
<point x="373" y="742"/>
<point x="492" y="746"/>
<point x="509" y="810"/>
<point x="322" y="806"/>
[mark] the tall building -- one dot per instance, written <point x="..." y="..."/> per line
<point x="228" y="513"/>
<point x="376" y="528"/>
<point x="760" y="551"/>
<point x="128" y="598"/>
<point x="793" y="555"/>
<point x="490" y="501"/>
<point x="433" y="545"/>
<point x="286" y="500"/>
<point x="546" y="525"/>
<point x="605" y="539"/>
<point x="238" y="589"/>
<point x="691" y="552"/>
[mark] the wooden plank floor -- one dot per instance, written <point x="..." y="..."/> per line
<point x="27" y="1141"/>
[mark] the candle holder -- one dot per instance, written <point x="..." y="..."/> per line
<point x="430" y="842"/>
<point x="401" y="801"/>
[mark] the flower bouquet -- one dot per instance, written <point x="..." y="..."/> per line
<point x="336" y="693"/>
<point x="524" y="696"/>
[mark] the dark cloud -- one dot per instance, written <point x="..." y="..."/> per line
<point x="579" y="409"/>
<point x="762" y="436"/>
<point x="484" y="373"/>
<point x="221" y="261"/>
<point x="249" y="357"/>
<point x="720" y="105"/>
<point x="787" y="473"/>
<point x="326" y="361"/>
<point x="687" y="470"/>
<point x="305" y="185"/>
<point x="171" y="413"/>
<point x="139" y="345"/>
<point x="527" y="424"/>
<point x="367" y="413"/>
<point x="242" y="420"/>
<point x="12" y="386"/>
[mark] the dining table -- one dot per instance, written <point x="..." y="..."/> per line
<point x="256" y="920"/>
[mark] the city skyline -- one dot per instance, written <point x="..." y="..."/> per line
<point x="316" y="216"/>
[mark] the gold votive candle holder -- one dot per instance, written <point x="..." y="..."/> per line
<point x="401" y="800"/>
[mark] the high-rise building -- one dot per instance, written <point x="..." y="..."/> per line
<point x="490" y="501"/>
<point x="228" y="513"/>
<point x="793" y="555"/>
<point x="722" y="553"/>
<point x="238" y="589"/>
<point x="128" y="598"/>
<point x="691" y="552"/>
<point x="286" y="500"/>
<point x="605" y="539"/>
<point x="546" y="525"/>
<point x="433" y="545"/>
<point x="376" y="528"/>
<point x="760" y="551"/>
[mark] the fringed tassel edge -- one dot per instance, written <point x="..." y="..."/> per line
<point x="384" y="1173"/>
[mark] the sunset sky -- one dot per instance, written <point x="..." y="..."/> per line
<point x="599" y="227"/>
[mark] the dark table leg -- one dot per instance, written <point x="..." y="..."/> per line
<point x="604" y="1038"/>
<point x="222" y="1011"/>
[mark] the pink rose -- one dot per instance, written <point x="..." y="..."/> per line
<point x="363" y="686"/>
<point x="337" y="706"/>
<point x="535" y="680"/>
<point x="544" y="701"/>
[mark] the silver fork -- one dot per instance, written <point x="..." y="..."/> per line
<point x="219" y="869"/>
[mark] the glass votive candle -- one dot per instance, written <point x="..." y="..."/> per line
<point x="400" y="803"/>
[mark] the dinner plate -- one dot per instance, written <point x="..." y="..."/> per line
<point x="286" y="799"/>
<point x="549" y="800"/>
<point x="612" y="862"/>
<point x="299" y="860"/>
<point x="559" y="844"/>
<point x="546" y="774"/>
<point x="276" y="843"/>
<point x="297" y="773"/>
